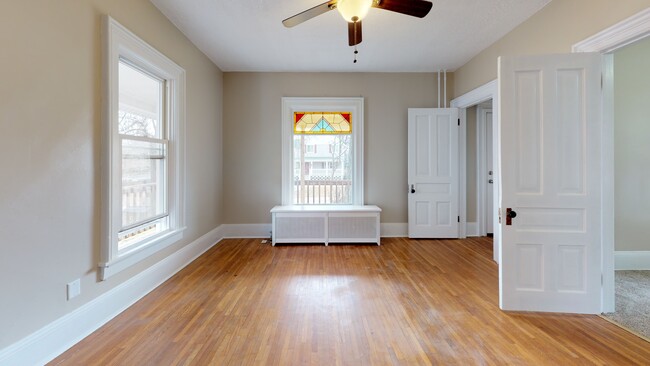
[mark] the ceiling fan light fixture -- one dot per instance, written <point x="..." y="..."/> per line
<point x="351" y="9"/>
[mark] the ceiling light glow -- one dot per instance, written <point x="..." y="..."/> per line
<point x="349" y="9"/>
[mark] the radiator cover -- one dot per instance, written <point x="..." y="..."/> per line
<point x="325" y="224"/>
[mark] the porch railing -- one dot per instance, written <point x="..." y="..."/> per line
<point x="325" y="191"/>
<point x="138" y="202"/>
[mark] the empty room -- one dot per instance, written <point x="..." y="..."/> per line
<point x="351" y="182"/>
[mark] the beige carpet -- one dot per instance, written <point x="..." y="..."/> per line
<point x="632" y="301"/>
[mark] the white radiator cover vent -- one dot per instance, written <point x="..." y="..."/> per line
<point x="325" y="224"/>
<point x="353" y="227"/>
<point x="296" y="227"/>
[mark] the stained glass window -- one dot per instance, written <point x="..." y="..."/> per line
<point x="322" y="157"/>
<point x="322" y="123"/>
<point x="323" y="153"/>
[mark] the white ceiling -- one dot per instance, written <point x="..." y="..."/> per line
<point x="248" y="35"/>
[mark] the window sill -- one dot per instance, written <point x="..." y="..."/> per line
<point x="128" y="259"/>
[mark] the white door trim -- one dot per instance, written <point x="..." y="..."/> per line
<point x="607" y="41"/>
<point x="481" y="94"/>
<point x="617" y="36"/>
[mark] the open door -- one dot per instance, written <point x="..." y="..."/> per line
<point x="433" y="172"/>
<point x="551" y="183"/>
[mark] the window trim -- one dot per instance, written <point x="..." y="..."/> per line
<point x="299" y="104"/>
<point x="120" y="43"/>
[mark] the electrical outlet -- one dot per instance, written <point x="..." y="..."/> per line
<point x="74" y="288"/>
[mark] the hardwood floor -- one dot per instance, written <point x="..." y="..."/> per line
<point x="406" y="302"/>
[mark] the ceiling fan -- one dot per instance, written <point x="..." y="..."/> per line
<point x="353" y="11"/>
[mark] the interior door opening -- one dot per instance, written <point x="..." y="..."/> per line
<point x="487" y="97"/>
<point x="480" y="165"/>
<point x="607" y="42"/>
<point x="631" y="75"/>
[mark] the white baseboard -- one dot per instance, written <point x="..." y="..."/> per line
<point x="246" y="231"/>
<point x="638" y="260"/>
<point x="472" y="229"/>
<point x="55" y="338"/>
<point x="394" y="230"/>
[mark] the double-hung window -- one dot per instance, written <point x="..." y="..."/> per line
<point x="322" y="148"/>
<point x="142" y="131"/>
<point x="143" y="175"/>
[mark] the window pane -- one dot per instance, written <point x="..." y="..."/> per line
<point x="140" y="101"/>
<point x="322" y="169"/>
<point x="143" y="181"/>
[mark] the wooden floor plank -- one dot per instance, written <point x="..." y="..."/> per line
<point x="406" y="302"/>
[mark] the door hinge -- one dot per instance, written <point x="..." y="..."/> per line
<point x="601" y="81"/>
<point x="459" y="121"/>
<point x="458" y="218"/>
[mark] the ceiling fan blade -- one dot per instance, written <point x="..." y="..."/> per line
<point x="354" y="33"/>
<point x="310" y="13"/>
<point x="416" y="8"/>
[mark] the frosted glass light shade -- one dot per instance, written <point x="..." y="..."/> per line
<point x="353" y="8"/>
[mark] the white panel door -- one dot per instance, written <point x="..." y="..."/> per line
<point x="551" y="191"/>
<point x="433" y="172"/>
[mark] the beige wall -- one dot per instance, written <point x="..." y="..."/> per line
<point x="632" y="146"/>
<point x="252" y="116"/>
<point x="50" y="106"/>
<point x="554" y="29"/>
<point x="471" y="163"/>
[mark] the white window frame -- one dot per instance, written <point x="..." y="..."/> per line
<point x="296" y="104"/>
<point x="120" y="43"/>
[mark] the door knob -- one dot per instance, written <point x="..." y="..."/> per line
<point x="412" y="189"/>
<point x="510" y="214"/>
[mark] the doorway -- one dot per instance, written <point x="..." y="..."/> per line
<point x="485" y="164"/>
<point x="608" y="42"/>
<point x="479" y="170"/>
<point x="485" y="96"/>
<point x="631" y="192"/>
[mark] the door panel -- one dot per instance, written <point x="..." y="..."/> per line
<point x="433" y="172"/>
<point x="550" y="154"/>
